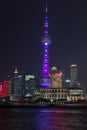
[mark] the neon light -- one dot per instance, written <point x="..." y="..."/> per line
<point x="45" y="50"/>
<point x="4" y="88"/>
<point x="46" y="41"/>
<point x="45" y="55"/>
<point x="46" y="31"/>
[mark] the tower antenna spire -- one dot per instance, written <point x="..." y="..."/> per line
<point x="46" y="7"/>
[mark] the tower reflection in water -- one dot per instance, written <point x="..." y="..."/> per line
<point x="42" y="119"/>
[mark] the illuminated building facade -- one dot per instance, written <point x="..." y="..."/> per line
<point x="74" y="81"/>
<point x="56" y="78"/>
<point x="56" y="91"/>
<point x="30" y="84"/>
<point x="75" y="94"/>
<point x="10" y="88"/>
<point x="28" y="77"/>
<point x="45" y="81"/>
<point x="54" y="94"/>
<point x="4" y="89"/>
<point x="17" y="84"/>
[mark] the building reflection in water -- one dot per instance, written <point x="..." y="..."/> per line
<point x="42" y="119"/>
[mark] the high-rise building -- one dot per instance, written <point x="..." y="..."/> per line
<point x="17" y="84"/>
<point x="30" y="84"/>
<point x="46" y="41"/>
<point x="56" y="78"/>
<point x="74" y="81"/>
<point x="10" y="92"/>
<point x="4" y="89"/>
<point x="75" y="92"/>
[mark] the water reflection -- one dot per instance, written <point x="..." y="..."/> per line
<point x="4" y="120"/>
<point x="43" y="119"/>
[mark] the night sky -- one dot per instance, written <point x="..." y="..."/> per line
<point x="21" y="30"/>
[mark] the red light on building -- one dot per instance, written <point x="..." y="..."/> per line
<point x="4" y="89"/>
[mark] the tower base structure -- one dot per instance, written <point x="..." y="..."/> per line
<point x="45" y="81"/>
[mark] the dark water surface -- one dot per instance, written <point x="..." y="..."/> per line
<point x="43" y="119"/>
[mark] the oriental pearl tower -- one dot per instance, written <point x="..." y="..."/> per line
<point x="46" y="41"/>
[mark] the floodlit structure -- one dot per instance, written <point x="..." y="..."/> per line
<point x="74" y="81"/>
<point x="4" y="89"/>
<point x="56" y="78"/>
<point x="45" y="80"/>
<point x="75" y="94"/>
<point x="17" y="84"/>
<point x="30" y="84"/>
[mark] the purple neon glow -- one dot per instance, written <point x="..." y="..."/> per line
<point x="46" y="32"/>
<point x="46" y="41"/>
<point x="45" y="50"/>
<point x="45" y="55"/>
<point x="46" y="84"/>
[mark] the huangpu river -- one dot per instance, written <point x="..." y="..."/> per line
<point x="43" y="119"/>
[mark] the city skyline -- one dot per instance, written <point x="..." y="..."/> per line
<point x="22" y="29"/>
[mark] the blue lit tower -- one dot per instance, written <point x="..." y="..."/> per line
<point x="46" y="41"/>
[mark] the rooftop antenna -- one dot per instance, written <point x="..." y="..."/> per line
<point x="46" y="6"/>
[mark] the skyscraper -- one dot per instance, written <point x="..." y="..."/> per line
<point x="56" y="78"/>
<point x="4" y="89"/>
<point x="74" y="81"/>
<point x="30" y="83"/>
<point x="46" y="41"/>
<point x="17" y="84"/>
